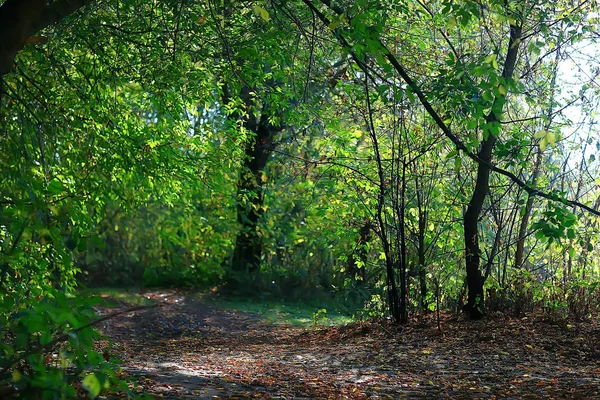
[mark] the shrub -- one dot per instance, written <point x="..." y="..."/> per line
<point x="47" y="348"/>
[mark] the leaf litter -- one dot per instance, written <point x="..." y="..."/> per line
<point x="191" y="349"/>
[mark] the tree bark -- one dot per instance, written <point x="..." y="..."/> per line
<point x="393" y="299"/>
<point x="403" y="251"/>
<point x="357" y="262"/>
<point x="248" y="249"/>
<point x="470" y="221"/>
<point x="475" y="298"/>
<point x="422" y="226"/>
<point x="21" y="19"/>
<point x="520" y="249"/>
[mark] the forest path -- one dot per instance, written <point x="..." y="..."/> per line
<point x="190" y="349"/>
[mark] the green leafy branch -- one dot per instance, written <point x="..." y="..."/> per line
<point x="415" y="89"/>
<point x="70" y="334"/>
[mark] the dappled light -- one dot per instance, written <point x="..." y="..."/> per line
<point x="237" y="355"/>
<point x="299" y="199"/>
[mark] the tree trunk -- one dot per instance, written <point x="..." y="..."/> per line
<point x="21" y="19"/>
<point x="475" y="298"/>
<point x="520" y="250"/>
<point x="583" y="258"/>
<point x="403" y="278"/>
<point x="422" y="225"/>
<point x="248" y="249"/>
<point x="357" y="261"/>
<point x="470" y="220"/>
<point x="393" y="299"/>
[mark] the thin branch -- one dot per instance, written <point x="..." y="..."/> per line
<point x="415" y="88"/>
<point x="64" y="337"/>
<point x="327" y="161"/>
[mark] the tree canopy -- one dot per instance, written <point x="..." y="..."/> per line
<point x="402" y="157"/>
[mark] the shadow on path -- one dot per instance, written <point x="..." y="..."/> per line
<point x="190" y="349"/>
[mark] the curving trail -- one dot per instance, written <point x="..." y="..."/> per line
<point x="190" y="349"/>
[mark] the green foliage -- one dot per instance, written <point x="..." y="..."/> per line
<point x="576" y="300"/>
<point x="557" y="223"/>
<point x="374" y="308"/>
<point x="47" y="348"/>
<point x="319" y="317"/>
<point x="126" y="135"/>
<point x="285" y="313"/>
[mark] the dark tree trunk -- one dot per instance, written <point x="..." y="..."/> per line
<point x="403" y="251"/>
<point x="470" y="221"/>
<point x="422" y="272"/>
<point x="475" y="298"/>
<point x="248" y="249"/>
<point x="358" y="259"/>
<point x="520" y="250"/>
<point x="393" y="298"/>
<point x="583" y="258"/>
<point x="17" y="21"/>
<point x="392" y="289"/>
<point x="21" y="19"/>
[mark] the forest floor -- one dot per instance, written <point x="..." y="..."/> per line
<point x="188" y="348"/>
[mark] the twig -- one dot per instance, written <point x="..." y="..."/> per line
<point x="388" y="332"/>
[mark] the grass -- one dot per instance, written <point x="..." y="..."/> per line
<point x="284" y="313"/>
<point x="274" y="312"/>
<point x="132" y="297"/>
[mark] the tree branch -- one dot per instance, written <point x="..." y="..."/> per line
<point x="59" y="10"/>
<point x="414" y="87"/>
<point x="64" y="337"/>
<point x="21" y="19"/>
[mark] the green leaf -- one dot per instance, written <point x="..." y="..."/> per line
<point x="45" y="338"/>
<point x="261" y="12"/>
<point x="540" y="134"/>
<point x="92" y="385"/>
<point x="55" y="187"/>
<point x="457" y="164"/>
<point x="410" y="95"/>
<point x="502" y="90"/>
<point x="451" y="154"/>
<point x="82" y="244"/>
<point x="551" y="138"/>
<point x="16" y="376"/>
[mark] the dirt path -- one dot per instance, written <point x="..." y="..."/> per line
<point x="189" y="349"/>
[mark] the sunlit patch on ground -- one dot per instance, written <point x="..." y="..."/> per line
<point x="189" y="349"/>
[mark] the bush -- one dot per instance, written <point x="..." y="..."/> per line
<point x="47" y="348"/>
